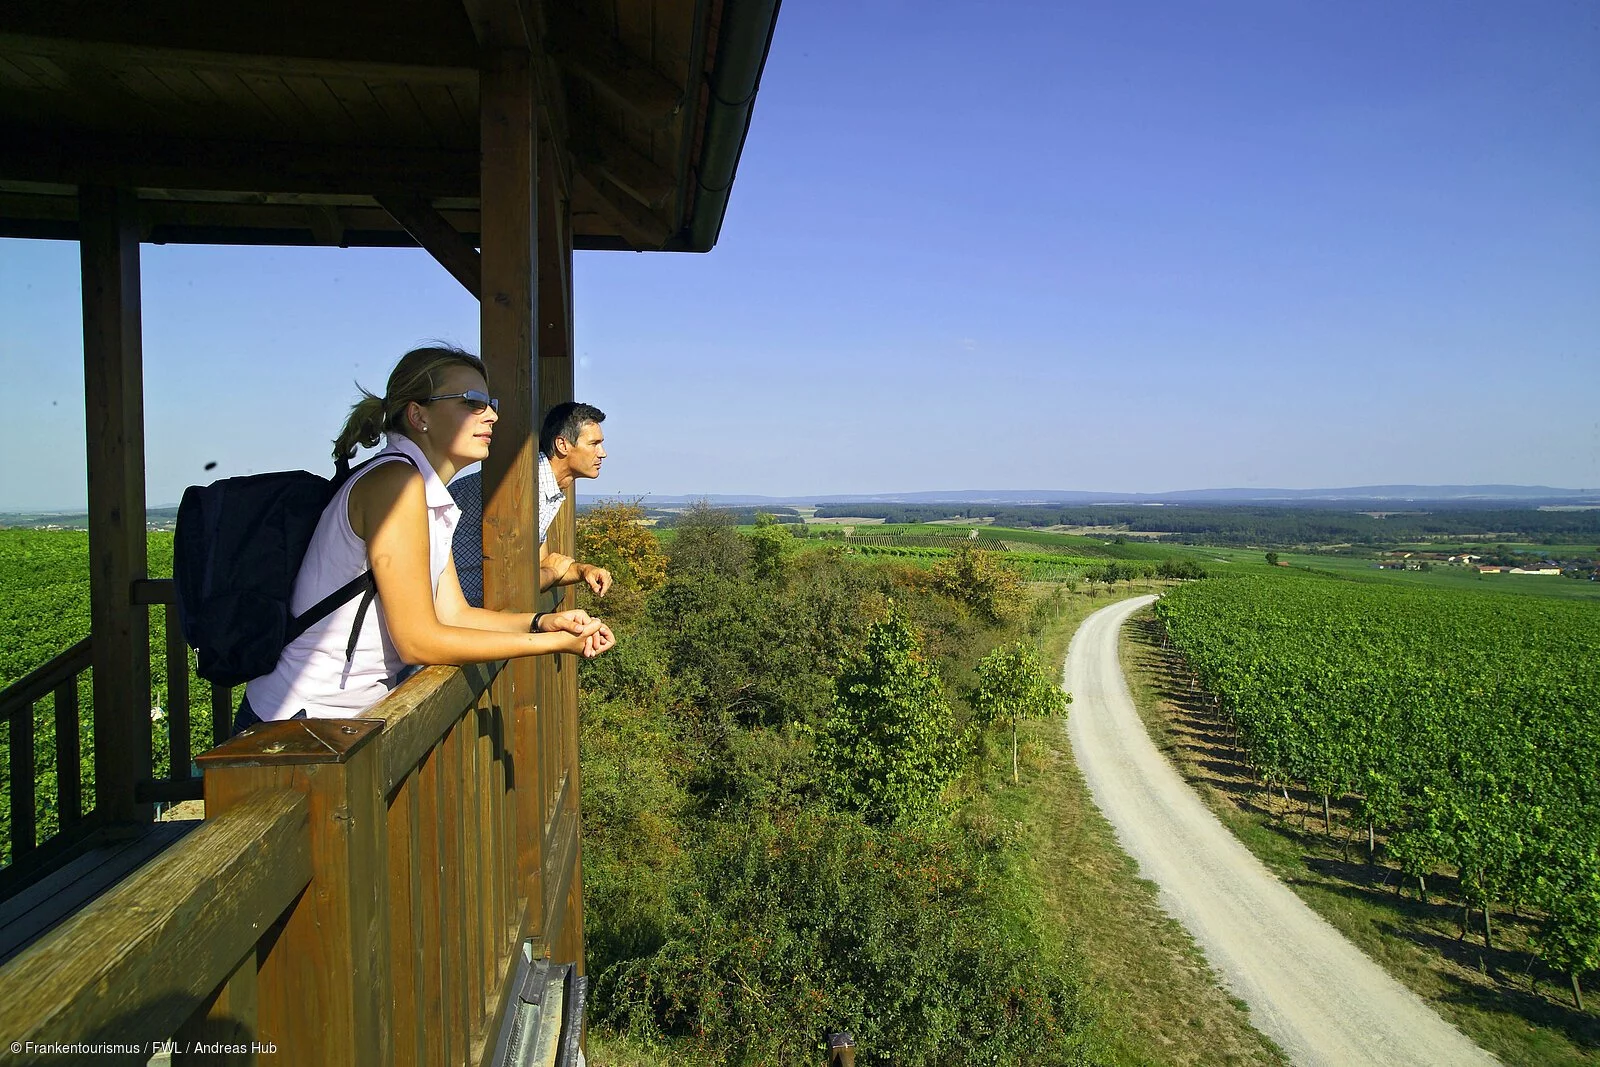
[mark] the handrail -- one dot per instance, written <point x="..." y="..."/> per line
<point x="44" y="679"/>
<point x="153" y="591"/>
<point x="134" y="965"/>
<point x="421" y="712"/>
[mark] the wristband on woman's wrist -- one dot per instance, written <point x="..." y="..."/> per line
<point x="533" y="627"/>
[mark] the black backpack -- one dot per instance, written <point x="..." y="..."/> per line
<point x="236" y="553"/>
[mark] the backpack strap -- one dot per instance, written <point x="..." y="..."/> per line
<point x="327" y="606"/>
<point x="361" y="614"/>
<point x="346" y="592"/>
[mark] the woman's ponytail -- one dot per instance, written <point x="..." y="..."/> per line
<point x="364" y="427"/>
<point x="413" y="379"/>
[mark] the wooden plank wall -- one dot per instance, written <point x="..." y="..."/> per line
<point x="352" y="899"/>
<point x="558" y="676"/>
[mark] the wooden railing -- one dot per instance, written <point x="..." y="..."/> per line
<point x="18" y="708"/>
<point x="180" y="782"/>
<point x="60" y="680"/>
<point x="359" y="894"/>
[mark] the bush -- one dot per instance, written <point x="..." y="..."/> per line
<point x="736" y="908"/>
<point x="797" y="922"/>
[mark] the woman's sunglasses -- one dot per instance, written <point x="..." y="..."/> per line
<point x="474" y="399"/>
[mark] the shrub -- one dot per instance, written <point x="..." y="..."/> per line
<point x="798" y="922"/>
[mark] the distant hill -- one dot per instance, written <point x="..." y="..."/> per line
<point x="155" y="519"/>
<point x="1458" y="495"/>
<point x="1382" y="497"/>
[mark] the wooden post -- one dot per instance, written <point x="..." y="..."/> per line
<point x="113" y="382"/>
<point x="69" y="759"/>
<point x="323" y="994"/>
<point x="178" y="711"/>
<point x="438" y="1045"/>
<point x="23" y="782"/>
<point x="507" y="221"/>
<point x="510" y="522"/>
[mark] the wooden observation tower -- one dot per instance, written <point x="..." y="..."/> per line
<point x="360" y="891"/>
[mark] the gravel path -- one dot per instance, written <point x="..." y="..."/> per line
<point x="1308" y="988"/>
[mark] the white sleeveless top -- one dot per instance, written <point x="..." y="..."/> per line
<point x="312" y="673"/>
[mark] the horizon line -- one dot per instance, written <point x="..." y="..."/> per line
<point x="1489" y="490"/>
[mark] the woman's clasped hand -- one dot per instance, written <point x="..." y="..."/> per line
<point x="592" y="636"/>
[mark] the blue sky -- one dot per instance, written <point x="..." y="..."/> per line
<point x="1132" y="247"/>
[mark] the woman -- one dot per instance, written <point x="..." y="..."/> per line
<point x="396" y="518"/>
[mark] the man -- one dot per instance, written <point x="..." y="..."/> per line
<point x="571" y="446"/>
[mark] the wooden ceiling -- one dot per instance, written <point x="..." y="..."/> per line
<point x="288" y="122"/>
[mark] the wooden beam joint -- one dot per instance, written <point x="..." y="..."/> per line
<point x="628" y="169"/>
<point x="641" y="228"/>
<point x="434" y="233"/>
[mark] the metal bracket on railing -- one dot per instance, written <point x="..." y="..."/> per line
<point x="544" y="1021"/>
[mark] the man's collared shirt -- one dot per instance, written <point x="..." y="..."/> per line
<point x="468" y="548"/>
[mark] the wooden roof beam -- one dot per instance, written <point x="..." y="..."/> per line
<point x="503" y="23"/>
<point x="630" y="170"/>
<point x="641" y="228"/>
<point x="246" y="166"/>
<point x="375" y="59"/>
<point x="443" y="241"/>
<point x="616" y="74"/>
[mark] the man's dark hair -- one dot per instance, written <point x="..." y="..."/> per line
<point x="566" y="421"/>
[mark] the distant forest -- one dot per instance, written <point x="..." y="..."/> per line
<point x="1254" y="525"/>
<point x="740" y="516"/>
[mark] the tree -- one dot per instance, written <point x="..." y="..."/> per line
<point x="890" y="741"/>
<point x="1013" y="684"/>
<point x="771" y="544"/>
<point x="1272" y="559"/>
<point x="979" y="581"/>
<point x="706" y="543"/>
<point x="613" y="536"/>
<point x="1173" y="567"/>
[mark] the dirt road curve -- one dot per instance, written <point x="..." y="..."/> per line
<point x="1308" y="988"/>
